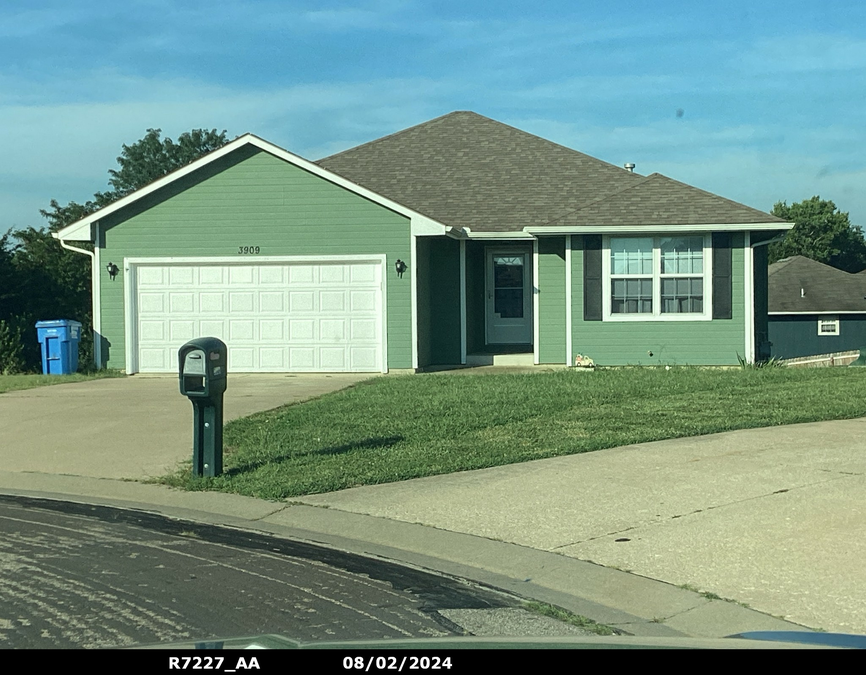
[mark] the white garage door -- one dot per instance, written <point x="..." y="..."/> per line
<point x="286" y="317"/>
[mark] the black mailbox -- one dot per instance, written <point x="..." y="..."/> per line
<point x="202" y="372"/>
<point x="203" y="368"/>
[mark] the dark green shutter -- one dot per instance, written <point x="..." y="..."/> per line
<point x="722" y="273"/>
<point x="592" y="281"/>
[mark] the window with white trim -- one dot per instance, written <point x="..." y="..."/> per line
<point x="657" y="278"/>
<point x="828" y="325"/>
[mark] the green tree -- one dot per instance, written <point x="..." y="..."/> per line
<point x="41" y="280"/>
<point x="821" y="232"/>
<point x="141" y="163"/>
<point x="11" y="344"/>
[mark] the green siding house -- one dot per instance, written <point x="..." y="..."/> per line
<point x="459" y="241"/>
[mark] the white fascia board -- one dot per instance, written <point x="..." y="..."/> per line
<point x="628" y="229"/>
<point x="424" y="226"/>
<point x="838" y="312"/>
<point x="77" y="232"/>
<point x="75" y="229"/>
<point x="497" y="235"/>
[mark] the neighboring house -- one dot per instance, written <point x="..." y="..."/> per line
<point x="815" y="309"/>
<point x="512" y="245"/>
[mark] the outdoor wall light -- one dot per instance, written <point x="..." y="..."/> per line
<point x="112" y="270"/>
<point x="401" y="267"/>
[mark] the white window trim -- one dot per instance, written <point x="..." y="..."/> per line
<point x="832" y="318"/>
<point x="658" y="315"/>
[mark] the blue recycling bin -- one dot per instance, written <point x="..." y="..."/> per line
<point x="59" y="341"/>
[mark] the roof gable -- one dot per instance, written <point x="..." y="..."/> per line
<point x="659" y="200"/>
<point x="81" y="230"/>
<point x="799" y="285"/>
<point x="467" y="170"/>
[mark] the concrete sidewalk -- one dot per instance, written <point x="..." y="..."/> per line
<point x="772" y="518"/>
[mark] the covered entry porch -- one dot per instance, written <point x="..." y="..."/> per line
<point x="479" y="301"/>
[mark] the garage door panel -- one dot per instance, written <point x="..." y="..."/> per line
<point x="240" y="276"/>
<point x="272" y="275"/>
<point x="152" y="276"/>
<point x="364" y="358"/>
<point x="332" y="301"/>
<point x="181" y="303"/>
<point x="363" y="301"/>
<point x="333" y="274"/>
<point x="153" y="360"/>
<point x="242" y="330"/>
<point x="302" y="329"/>
<point x="273" y="317"/>
<point x="212" y="302"/>
<point x="332" y="358"/>
<point x="182" y="331"/>
<point x="363" y="274"/>
<point x="212" y="275"/>
<point x="272" y="330"/>
<point x="302" y="301"/>
<point x="151" y="303"/>
<point x="301" y="358"/>
<point x="332" y="330"/>
<point x="302" y="274"/>
<point x="241" y="302"/>
<point x="181" y="276"/>
<point x="364" y="330"/>
<point x="215" y="329"/>
<point x="152" y="330"/>
<point x="241" y="359"/>
<point x="272" y="301"/>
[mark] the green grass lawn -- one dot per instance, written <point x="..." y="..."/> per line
<point x="29" y="381"/>
<point x="394" y="428"/>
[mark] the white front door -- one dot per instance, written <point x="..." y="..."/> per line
<point x="509" y="297"/>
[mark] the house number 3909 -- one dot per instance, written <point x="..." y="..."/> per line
<point x="248" y="250"/>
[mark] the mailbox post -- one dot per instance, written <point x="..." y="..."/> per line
<point x="203" y="381"/>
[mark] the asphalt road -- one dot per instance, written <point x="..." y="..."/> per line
<point x="75" y="575"/>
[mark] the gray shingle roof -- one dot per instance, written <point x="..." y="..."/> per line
<point x="659" y="200"/>
<point x="799" y="284"/>
<point x="466" y="170"/>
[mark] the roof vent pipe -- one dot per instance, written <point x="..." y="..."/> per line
<point x="629" y="166"/>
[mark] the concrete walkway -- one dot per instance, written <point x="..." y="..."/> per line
<point x="772" y="518"/>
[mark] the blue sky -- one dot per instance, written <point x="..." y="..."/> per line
<point x="771" y="93"/>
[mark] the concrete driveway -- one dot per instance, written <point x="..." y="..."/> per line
<point x="132" y="427"/>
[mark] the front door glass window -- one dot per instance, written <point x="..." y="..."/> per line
<point x="508" y="286"/>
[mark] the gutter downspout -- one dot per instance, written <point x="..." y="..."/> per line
<point x="94" y="279"/>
